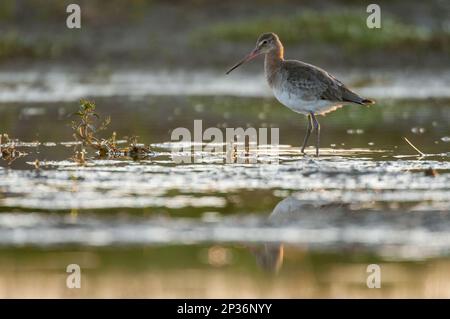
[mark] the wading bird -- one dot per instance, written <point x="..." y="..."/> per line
<point x="302" y="87"/>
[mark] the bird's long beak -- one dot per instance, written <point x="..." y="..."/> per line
<point x="249" y="57"/>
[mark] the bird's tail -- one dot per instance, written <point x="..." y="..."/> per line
<point x="367" y="102"/>
<point x="350" y="96"/>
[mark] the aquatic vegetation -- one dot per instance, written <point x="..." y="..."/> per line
<point x="8" y="151"/>
<point x="135" y="149"/>
<point x="88" y="126"/>
<point x="86" y="131"/>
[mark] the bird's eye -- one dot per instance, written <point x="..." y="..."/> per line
<point x="264" y="42"/>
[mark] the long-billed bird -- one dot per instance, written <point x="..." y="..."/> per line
<point x="302" y="87"/>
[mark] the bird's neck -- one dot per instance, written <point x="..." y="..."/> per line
<point x="272" y="64"/>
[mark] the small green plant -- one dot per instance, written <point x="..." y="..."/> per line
<point x="88" y="126"/>
<point x="86" y="131"/>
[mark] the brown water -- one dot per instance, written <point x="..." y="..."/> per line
<point x="305" y="227"/>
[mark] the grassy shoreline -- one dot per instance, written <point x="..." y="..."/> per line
<point x="187" y="34"/>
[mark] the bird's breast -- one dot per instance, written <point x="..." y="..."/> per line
<point x="301" y="102"/>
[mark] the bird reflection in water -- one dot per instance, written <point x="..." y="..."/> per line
<point x="269" y="256"/>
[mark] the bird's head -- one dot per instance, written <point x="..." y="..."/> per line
<point x="267" y="42"/>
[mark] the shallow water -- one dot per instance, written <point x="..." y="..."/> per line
<point x="56" y="84"/>
<point x="285" y="228"/>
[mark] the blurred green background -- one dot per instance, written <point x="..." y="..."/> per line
<point x="210" y="33"/>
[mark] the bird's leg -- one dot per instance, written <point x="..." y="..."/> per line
<point x="308" y="133"/>
<point x="317" y="128"/>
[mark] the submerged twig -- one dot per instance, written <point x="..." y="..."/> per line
<point x="415" y="148"/>
<point x="420" y="154"/>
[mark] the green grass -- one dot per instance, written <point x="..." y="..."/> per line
<point x="347" y="29"/>
<point x="11" y="45"/>
<point x="15" y="45"/>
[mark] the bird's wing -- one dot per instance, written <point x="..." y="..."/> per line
<point x="313" y="83"/>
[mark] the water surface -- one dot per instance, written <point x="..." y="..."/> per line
<point x="302" y="227"/>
